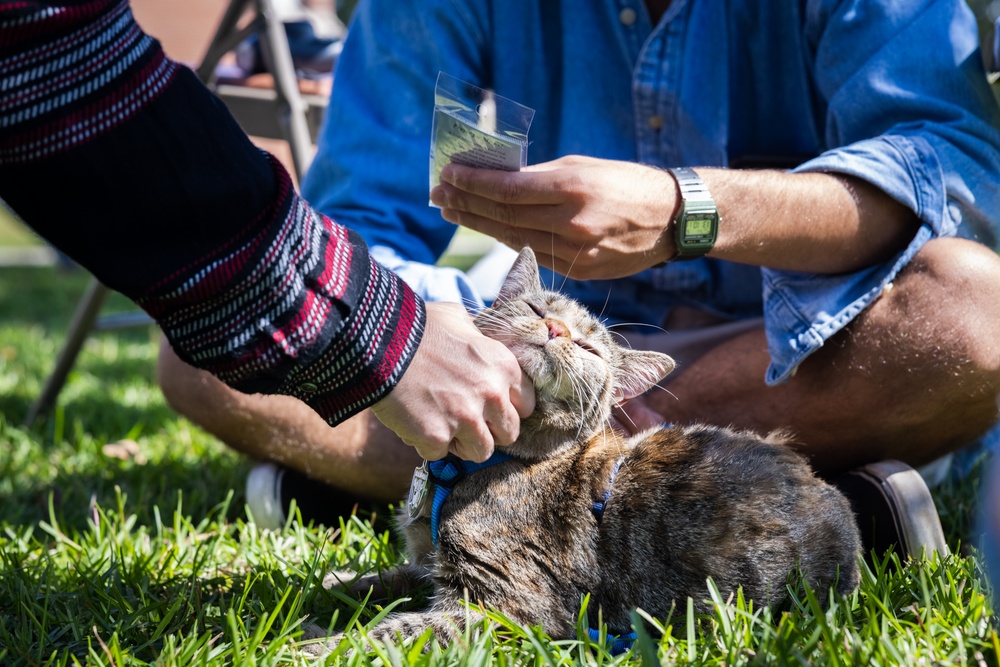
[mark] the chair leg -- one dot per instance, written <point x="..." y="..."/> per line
<point x="293" y="110"/>
<point x="83" y="321"/>
<point x="226" y="37"/>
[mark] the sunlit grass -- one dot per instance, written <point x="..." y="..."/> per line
<point x="137" y="559"/>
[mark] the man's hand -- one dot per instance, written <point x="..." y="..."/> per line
<point x="462" y="393"/>
<point x="597" y="219"/>
<point x="584" y="217"/>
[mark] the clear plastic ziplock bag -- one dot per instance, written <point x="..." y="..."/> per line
<point x="477" y="128"/>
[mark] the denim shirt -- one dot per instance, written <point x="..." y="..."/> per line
<point x="891" y="92"/>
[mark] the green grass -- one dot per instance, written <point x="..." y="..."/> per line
<point x="12" y="232"/>
<point x="151" y="559"/>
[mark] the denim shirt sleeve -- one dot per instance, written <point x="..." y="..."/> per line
<point x="916" y="120"/>
<point x="431" y="282"/>
<point x="371" y="170"/>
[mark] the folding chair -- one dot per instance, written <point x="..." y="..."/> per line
<point x="280" y="113"/>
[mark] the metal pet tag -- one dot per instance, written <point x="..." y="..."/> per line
<point x="418" y="491"/>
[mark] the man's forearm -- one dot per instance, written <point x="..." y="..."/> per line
<point x="812" y="222"/>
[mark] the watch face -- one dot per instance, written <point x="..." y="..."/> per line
<point x="699" y="227"/>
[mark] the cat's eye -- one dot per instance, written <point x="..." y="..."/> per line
<point x="588" y="347"/>
<point x="538" y="311"/>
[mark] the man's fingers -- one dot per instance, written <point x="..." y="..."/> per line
<point x="509" y="236"/>
<point x="551" y="250"/>
<point x="432" y="451"/>
<point x="540" y="217"/>
<point x="510" y="187"/>
<point x="523" y="397"/>
<point x="473" y="445"/>
<point x="504" y="423"/>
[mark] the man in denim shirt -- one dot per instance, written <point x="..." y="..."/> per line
<point x="865" y="249"/>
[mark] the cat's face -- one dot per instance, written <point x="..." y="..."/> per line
<point x="578" y="369"/>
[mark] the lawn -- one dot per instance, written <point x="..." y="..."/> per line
<point x="143" y="554"/>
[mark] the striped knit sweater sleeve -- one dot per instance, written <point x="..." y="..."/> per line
<point x="123" y="160"/>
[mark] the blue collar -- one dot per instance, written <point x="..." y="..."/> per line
<point x="598" y="507"/>
<point x="446" y="473"/>
<point x="616" y="644"/>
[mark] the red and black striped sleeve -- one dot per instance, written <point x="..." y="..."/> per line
<point x="122" y="159"/>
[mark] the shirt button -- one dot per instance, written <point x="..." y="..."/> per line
<point x="307" y="388"/>
<point x="627" y="16"/>
<point x="656" y="122"/>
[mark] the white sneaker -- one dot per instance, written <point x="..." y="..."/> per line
<point x="264" y="496"/>
<point x="272" y="488"/>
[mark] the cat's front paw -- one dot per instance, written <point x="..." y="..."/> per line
<point x="391" y="584"/>
<point x="316" y="643"/>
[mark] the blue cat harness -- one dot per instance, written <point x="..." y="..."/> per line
<point x="447" y="472"/>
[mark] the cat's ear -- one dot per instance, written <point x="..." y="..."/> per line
<point x="640" y="370"/>
<point x="522" y="277"/>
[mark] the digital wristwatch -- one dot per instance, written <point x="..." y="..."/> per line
<point x="697" y="223"/>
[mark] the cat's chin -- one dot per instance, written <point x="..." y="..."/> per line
<point x="549" y="379"/>
<point x="555" y="426"/>
<point x="539" y="446"/>
<point x="550" y="388"/>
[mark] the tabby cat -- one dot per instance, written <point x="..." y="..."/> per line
<point x="574" y="508"/>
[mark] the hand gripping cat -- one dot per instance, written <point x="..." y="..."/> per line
<point x="574" y="508"/>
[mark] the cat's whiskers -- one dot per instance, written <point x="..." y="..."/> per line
<point x="569" y="270"/>
<point x="618" y="441"/>
<point x="605" y="436"/>
<point x="607" y="300"/>
<point x="552" y="253"/>
<point x="585" y="390"/>
<point x="635" y="427"/>
<point x="624" y="340"/>
<point x="582" y="421"/>
<point x="472" y="305"/>
<point x="609" y="327"/>
<point x="494" y="322"/>
<point x="664" y="389"/>
<point x="495" y="316"/>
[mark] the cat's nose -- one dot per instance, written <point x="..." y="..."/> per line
<point x="557" y="329"/>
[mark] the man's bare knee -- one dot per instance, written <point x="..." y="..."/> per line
<point x="926" y="352"/>
<point x="955" y="284"/>
<point x="180" y="383"/>
<point x="947" y="307"/>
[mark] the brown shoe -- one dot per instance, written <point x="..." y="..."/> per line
<point x="894" y="508"/>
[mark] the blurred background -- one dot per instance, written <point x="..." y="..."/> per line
<point x="185" y="28"/>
